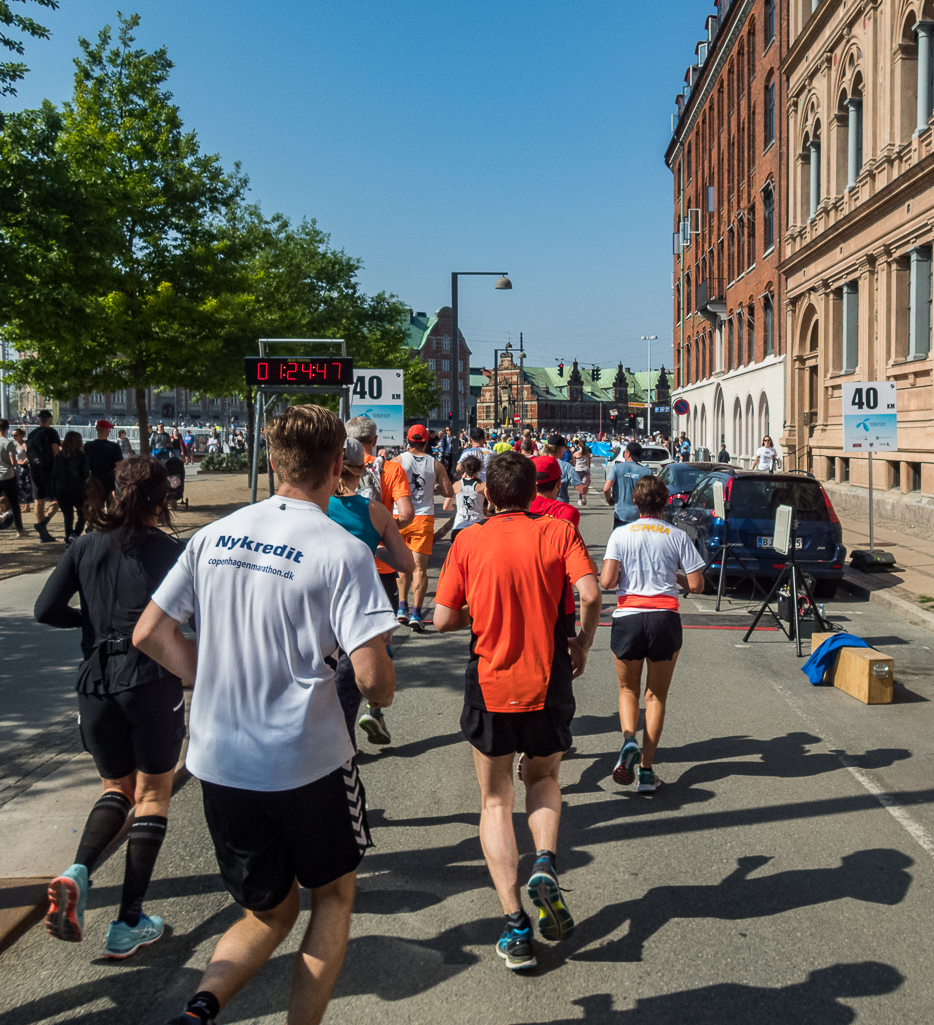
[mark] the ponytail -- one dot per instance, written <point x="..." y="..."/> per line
<point x="142" y="486"/>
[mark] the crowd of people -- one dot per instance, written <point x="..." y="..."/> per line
<point x="322" y="572"/>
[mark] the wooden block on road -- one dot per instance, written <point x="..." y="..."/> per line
<point x="863" y="673"/>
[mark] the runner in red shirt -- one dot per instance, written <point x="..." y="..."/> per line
<point x="506" y="579"/>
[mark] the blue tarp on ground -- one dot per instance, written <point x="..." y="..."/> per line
<point x="601" y="448"/>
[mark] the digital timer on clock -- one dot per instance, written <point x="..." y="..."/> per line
<point x="276" y="371"/>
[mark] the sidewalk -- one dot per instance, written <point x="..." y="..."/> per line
<point x="904" y="589"/>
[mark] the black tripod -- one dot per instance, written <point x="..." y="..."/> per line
<point x="795" y="578"/>
<point x="724" y="553"/>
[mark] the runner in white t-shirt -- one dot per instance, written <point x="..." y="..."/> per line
<point x="276" y="588"/>
<point x="646" y="561"/>
<point x="477" y="448"/>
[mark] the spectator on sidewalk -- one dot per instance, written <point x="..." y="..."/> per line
<point x="42" y="446"/>
<point x="9" y="486"/>
<point x="103" y="456"/>
<point x="70" y="473"/>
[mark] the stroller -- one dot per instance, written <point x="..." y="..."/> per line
<point x="175" y="468"/>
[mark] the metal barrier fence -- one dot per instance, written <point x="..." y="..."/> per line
<point x="89" y="432"/>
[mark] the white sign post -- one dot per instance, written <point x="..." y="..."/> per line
<point x="870" y="424"/>
<point x="378" y="395"/>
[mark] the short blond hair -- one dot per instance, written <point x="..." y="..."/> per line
<point x="304" y="442"/>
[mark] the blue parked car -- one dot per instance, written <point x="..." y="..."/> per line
<point x="753" y="498"/>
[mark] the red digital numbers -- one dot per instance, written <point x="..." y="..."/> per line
<point x="287" y="371"/>
<point x="338" y="365"/>
<point x="262" y="371"/>
<point x="271" y="370"/>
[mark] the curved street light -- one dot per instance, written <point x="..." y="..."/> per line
<point x="502" y="282"/>
<point x="648" y="387"/>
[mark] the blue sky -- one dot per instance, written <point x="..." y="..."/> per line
<point x="429" y="137"/>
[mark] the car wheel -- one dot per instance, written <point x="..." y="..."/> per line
<point x="825" y="588"/>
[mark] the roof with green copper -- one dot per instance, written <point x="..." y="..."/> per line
<point x="420" y="325"/>
<point x="548" y="384"/>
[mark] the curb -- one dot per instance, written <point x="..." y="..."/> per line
<point x="24" y="901"/>
<point x="907" y="610"/>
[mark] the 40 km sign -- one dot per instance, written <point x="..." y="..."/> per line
<point x="870" y="419"/>
<point x="378" y="395"/>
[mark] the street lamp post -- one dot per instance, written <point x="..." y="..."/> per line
<point x="502" y="281"/>
<point x="648" y="390"/>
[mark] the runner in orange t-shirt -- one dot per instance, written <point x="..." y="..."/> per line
<point x="545" y="503"/>
<point x="506" y="579"/>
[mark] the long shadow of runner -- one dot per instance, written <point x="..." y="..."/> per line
<point x="817" y="1001"/>
<point x="877" y="876"/>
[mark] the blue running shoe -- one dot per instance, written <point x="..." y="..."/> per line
<point x="625" y="770"/>
<point x="415" y="621"/>
<point x="403" y="614"/>
<point x="68" y="897"/>
<point x="648" y="781"/>
<point x="515" y="948"/>
<point x="123" y="939"/>
<point x="554" y="920"/>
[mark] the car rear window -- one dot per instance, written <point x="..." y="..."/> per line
<point x="684" y="477"/>
<point x="759" y="498"/>
<point x="655" y="455"/>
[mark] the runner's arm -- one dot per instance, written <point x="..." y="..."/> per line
<point x="52" y="606"/>
<point x="441" y="476"/>
<point x="591" y="604"/>
<point x="693" y="583"/>
<point x="375" y="673"/>
<point x="158" y="636"/>
<point x="609" y="575"/>
<point x="446" y="619"/>
<point x="406" y="510"/>
<point x="393" y="550"/>
<point x="449" y="502"/>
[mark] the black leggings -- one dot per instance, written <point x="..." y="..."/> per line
<point x="71" y="501"/>
<point x="10" y="488"/>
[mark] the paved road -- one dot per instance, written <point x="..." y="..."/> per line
<point x="784" y="873"/>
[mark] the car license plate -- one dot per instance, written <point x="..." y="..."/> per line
<point x="766" y="542"/>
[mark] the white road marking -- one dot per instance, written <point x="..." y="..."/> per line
<point x="888" y="801"/>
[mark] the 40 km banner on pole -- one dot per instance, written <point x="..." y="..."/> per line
<point x="378" y="395"/>
<point x="870" y="419"/>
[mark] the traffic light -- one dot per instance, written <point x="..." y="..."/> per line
<point x="595" y="374"/>
<point x="450" y="416"/>
<point x="560" y="370"/>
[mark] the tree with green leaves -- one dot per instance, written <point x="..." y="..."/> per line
<point x="294" y="285"/>
<point x="12" y="72"/>
<point x="134" y="303"/>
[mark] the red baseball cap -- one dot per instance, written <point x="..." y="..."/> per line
<point x="104" y="425"/>
<point x="548" y="469"/>
<point x="417" y="432"/>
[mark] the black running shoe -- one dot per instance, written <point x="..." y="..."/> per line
<point x="515" y="948"/>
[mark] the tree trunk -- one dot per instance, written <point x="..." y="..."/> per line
<point x="142" y="419"/>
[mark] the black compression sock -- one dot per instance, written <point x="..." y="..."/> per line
<point x="205" y="1005"/>
<point x="518" y="920"/>
<point x="548" y="856"/>
<point x="103" y="824"/>
<point x="146" y="836"/>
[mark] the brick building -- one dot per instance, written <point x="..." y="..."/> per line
<point x="430" y="337"/>
<point x="543" y="398"/>
<point x="859" y="231"/>
<point x="725" y="155"/>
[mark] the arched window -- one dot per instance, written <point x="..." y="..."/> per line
<point x="751" y="49"/>
<point x="729" y="88"/>
<point x="768" y="318"/>
<point x="741" y="71"/>
<point x="687" y="362"/>
<point x="751" y="331"/>
<point x="688" y="304"/>
<point x="769" y="108"/>
<point x="769" y="25"/>
<point x="768" y="216"/>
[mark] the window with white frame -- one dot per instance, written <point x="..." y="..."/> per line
<point x="96" y="398"/>
<point x="445" y="364"/>
<point x="432" y="364"/>
<point x="446" y="344"/>
<point x="445" y="384"/>
<point x="118" y="398"/>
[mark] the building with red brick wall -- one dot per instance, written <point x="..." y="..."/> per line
<point x="430" y="337"/>
<point x="725" y="155"/>
<point x="571" y="399"/>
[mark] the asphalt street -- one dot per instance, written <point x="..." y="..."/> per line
<point x="784" y="872"/>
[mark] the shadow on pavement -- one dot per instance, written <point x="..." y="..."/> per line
<point x="816" y="1000"/>
<point x="877" y="876"/>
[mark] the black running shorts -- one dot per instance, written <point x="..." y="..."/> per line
<point x="42" y="487"/>
<point x="536" y="734"/>
<point x="390" y="584"/>
<point x="138" y="729"/>
<point x="653" y="635"/>
<point x="265" y="840"/>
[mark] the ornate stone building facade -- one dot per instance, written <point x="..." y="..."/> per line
<point x="859" y="229"/>
<point x="729" y="349"/>
<point x="543" y="398"/>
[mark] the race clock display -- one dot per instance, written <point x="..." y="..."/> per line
<point x="276" y="371"/>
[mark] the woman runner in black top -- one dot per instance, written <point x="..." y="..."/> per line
<point x="131" y="713"/>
